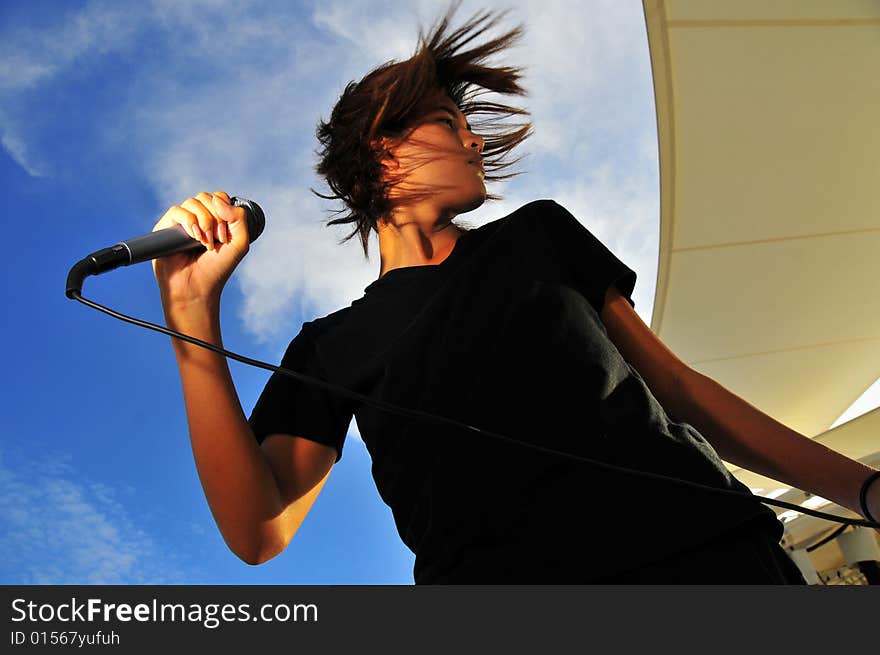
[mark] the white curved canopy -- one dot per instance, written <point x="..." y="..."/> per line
<point x="768" y="281"/>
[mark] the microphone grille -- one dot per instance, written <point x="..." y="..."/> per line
<point x="256" y="219"/>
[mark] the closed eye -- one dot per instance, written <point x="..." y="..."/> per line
<point x="448" y="121"/>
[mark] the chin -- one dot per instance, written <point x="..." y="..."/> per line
<point x="473" y="201"/>
<point x="471" y="205"/>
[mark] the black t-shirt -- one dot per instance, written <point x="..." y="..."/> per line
<point x="505" y="335"/>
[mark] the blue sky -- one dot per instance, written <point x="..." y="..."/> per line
<point x="112" y="111"/>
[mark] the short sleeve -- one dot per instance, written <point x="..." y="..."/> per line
<point x="591" y="266"/>
<point x="289" y="406"/>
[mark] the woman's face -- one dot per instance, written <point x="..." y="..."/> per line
<point x="441" y="155"/>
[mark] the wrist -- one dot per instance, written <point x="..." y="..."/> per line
<point x="200" y="320"/>
<point x="869" y="497"/>
<point x="192" y="310"/>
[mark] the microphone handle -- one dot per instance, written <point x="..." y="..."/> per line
<point x="131" y="251"/>
<point x="168" y="241"/>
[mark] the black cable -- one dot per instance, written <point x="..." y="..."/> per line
<point x="830" y="537"/>
<point x="415" y="413"/>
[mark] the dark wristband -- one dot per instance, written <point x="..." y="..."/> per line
<point x="863" y="496"/>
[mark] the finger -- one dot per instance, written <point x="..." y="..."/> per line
<point x="235" y="217"/>
<point x="206" y="220"/>
<point x="223" y="195"/>
<point x="220" y="232"/>
<point x="223" y="209"/>
<point x="177" y="215"/>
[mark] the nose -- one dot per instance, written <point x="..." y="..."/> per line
<point x="475" y="141"/>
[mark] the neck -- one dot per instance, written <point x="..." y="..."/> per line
<point x="409" y="244"/>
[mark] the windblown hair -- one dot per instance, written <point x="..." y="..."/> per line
<point x="374" y="115"/>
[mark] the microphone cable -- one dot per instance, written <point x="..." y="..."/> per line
<point x="418" y="414"/>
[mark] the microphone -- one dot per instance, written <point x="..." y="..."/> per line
<point x="156" y="244"/>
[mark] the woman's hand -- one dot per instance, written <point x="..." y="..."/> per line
<point x="187" y="280"/>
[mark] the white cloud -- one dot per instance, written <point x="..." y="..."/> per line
<point x="60" y="528"/>
<point x="377" y="35"/>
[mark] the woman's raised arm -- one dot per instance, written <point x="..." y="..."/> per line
<point x="242" y="491"/>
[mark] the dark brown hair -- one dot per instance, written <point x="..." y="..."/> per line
<point x="390" y="99"/>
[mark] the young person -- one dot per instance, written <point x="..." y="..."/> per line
<point x="524" y="327"/>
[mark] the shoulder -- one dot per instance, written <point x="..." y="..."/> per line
<point x="532" y="215"/>
<point x="549" y="221"/>
<point x="537" y="209"/>
<point x="321" y="325"/>
<point x="540" y="224"/>
<point x="543" y="214"/>
<point x="315" y="331"/>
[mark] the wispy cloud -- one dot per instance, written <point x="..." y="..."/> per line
<point x="59" y="527"/>
<point x="29" y="56"/>
<point x="32" y="58"/>
<point x="16" y="147"/>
